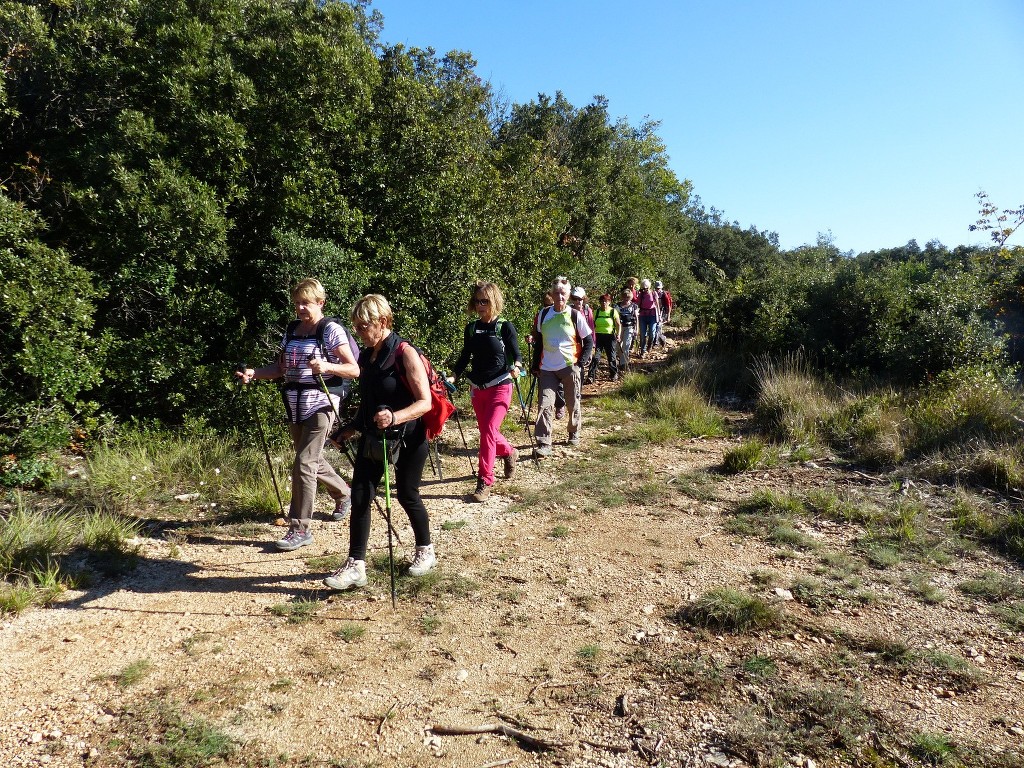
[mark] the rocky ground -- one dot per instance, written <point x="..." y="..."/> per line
<point x="549" y="634"/>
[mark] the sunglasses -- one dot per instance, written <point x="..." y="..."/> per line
<point x="481" y="301"/>
<point x="363" y="327"/>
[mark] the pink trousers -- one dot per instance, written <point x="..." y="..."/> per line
<point x="490" y="406"/>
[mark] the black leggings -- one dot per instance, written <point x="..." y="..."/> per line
<point x="605" y="343"/>
<point x="368" y="474"/>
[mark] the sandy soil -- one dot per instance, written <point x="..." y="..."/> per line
<point x="552" y="616"/>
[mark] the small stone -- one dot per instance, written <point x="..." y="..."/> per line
<point x="1017" y="731"/>
<point x="783" y="594"/>
<point x="915" y="705"/>
<point x="462" y="675"/>
<point x="648" y="609"/>
<point x="35" y="738"/>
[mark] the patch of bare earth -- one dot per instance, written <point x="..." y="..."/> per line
<point x="551" y="614"/>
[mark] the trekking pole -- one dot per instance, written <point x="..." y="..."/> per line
<point x="526" y="417"/>
<point x="433" y="466"/>
<point x="345" y="449"/>
<point x="437" y="455"/>
<point x="240" y="368"/>
<point x="323" y="386"/>
<point x="387" y="515"/>
<point x="452" y="389"/>
<point x="533" y="379"/>
<point x="529" y="396"/>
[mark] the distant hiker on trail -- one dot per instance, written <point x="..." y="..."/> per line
<point x="608" y="331"/>
<point x="633" y="285"/>
<point x="564" y="340"/>
<point x="664" y="310"/>
<point x="648" y="303"/>
<point x="301" y="362"/>
<point x="578" y="301"/>
<point x="394" y="395"/>
<point x="629" y="317"/>
<point x="491" y="348"/>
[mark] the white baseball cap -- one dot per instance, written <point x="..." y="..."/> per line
<point x="578" y="292"/>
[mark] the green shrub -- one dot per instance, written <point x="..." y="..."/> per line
<point x="728" y="610"/>
<point x="870" y="430"/>
<point x="790" y="400"/>
<point x="965" y="404"/>
<point x="153" y="465"/>
<point x="993" y="587"/>
<point x="688" y="409"/>
<point x="29" y="472"/>
<point x="751" y="454"/>
<point x="933" y="748"/>
<point x="655" y="432"/>
<point x="133" y="673"/>
<point x="828" y="505"/>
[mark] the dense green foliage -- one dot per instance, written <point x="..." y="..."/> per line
<point x="169" y="169"/>
<point x="192" y="160"/>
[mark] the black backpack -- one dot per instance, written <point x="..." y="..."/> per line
<point x="336" y="385"/>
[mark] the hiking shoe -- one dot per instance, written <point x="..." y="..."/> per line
<point x="574" y="439"/>
<point x="510" y="463"/>
<point x="542" y="450"/>
<point x="560" y="412"/>
<point x="351" y="574"/>
<point x="423" y="560"/>
<point x="342" y="507"/>
<point x="482" y="492"/>
<point x="294" y="540"/>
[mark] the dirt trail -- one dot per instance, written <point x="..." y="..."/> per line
<point x="544" y="618"/>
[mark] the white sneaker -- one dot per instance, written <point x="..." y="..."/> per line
<point x="423" y="561"/>
<point x="351" y="574"/>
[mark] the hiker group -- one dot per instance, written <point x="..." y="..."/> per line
<point x="403" y="401"/>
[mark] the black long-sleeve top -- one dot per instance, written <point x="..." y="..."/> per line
<point x="490" y="353"/>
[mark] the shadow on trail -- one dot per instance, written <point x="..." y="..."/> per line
<point x="170" y="577"/>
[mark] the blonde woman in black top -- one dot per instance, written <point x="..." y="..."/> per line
<point x="491" y="351"/>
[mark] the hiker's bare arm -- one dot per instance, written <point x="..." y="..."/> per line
<point x="347" y="368"/>
<point x="273" y="371"/>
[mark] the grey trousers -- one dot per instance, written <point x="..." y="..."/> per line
<point x="570" y="378"/>
<point x="309" y="466"/>
<point x="628" y="333"/>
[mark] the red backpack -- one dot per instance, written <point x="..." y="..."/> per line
<point x="441" y="408"/>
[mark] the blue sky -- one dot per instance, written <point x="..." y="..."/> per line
<point x="874" y="121"/>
